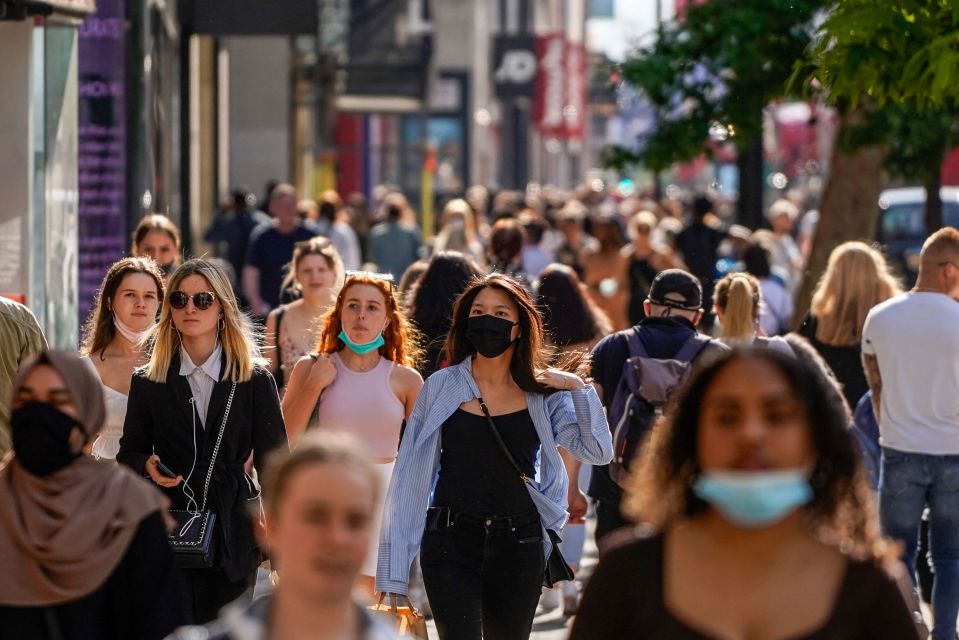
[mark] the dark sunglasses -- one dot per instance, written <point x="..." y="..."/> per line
<point x="202" y="301"/>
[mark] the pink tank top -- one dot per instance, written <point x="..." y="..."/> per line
<point x="363" y="404"/>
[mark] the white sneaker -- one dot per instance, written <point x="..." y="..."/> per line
<point x="549" y="600"/>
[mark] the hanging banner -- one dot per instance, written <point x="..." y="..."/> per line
<point x="574" y="112"/>
<point x="550" y="85"/>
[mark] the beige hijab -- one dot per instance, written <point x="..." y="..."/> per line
<point x="62" y="536"/>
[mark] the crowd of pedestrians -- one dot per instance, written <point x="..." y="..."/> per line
<point x="339" y="404"/>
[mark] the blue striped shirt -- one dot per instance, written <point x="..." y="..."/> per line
<point x="574" y="420"/>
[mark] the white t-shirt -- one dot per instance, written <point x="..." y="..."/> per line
<point x="915" y="338"/>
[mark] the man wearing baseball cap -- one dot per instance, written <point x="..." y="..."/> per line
<point x="673" y="309"/>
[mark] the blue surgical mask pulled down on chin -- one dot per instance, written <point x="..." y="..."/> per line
<point x="361" y="349"/>
<point x="754" y="499"/>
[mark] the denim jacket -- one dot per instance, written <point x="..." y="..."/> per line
<point x="574" y="420"/>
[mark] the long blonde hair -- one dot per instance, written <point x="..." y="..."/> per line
<point x="856" y="279"/>
<point x="237" y="335"/>
<point x="316" y="246"/>
<point x="738" y="297"/>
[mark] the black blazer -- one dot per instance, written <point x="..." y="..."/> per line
<point x="159" y="420"/>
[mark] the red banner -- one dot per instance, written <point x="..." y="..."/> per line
<point x="559" y="108"/>
<point x="550" y="85"/>
<point x="574" y="113"/>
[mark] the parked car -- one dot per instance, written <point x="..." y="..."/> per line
<point x="901" y="228"/>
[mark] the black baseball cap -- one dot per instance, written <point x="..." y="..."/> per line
<point x="677" y="289"/>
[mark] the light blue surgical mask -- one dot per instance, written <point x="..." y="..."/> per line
<point x="754" y="499"/>
<point x="361" y="349"/>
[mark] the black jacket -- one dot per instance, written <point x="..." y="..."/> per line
<point x="159" y="420"/>
<point x="141" y="599"/>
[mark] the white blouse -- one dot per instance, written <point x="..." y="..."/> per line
<point x="107" y="444"/>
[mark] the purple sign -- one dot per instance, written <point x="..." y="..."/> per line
<point x="103" y="235"/>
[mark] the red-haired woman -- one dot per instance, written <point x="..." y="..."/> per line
<point x="361" y="378"/>
<point x="484" y="530"/>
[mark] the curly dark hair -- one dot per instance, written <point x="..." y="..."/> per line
<point x="841" y="512"/>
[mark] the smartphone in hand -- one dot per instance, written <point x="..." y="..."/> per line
<point x="165" y="470"/>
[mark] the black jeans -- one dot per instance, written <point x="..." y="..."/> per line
<point x="206" y="591"/>
<point x="483" y="576"/>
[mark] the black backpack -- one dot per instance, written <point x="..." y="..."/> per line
<point x="644" y="388"/>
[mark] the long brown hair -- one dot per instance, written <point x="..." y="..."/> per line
<point x="842" y="511"/>
<point x="856" y="280"/>
<point x="99" y="330"/>
<point x="401" y="340"/>
<point x="530" y="355"/>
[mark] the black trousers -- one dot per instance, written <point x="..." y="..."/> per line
<point x="483" y="576"/>
<point x="608" y="518"/>
<point x="206" y="591"/>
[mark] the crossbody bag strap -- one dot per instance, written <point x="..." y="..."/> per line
<point x="279" y="347"/>
<point x="216" y="449"/>
<point x="499" y="441"/>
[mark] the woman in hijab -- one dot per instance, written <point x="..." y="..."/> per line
<point x="83" y="543"/>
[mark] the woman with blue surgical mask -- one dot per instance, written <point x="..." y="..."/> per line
<point x="361" y="379"/>
<point x="755" y="519"/>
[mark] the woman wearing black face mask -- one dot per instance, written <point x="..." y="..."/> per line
<point x="82" y="543"/>
<point x="485" y="432"/>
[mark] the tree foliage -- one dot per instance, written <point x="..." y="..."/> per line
<point x="723" y="62"/>
<point x="893" y="51"/>
<point x="898" y="62"/>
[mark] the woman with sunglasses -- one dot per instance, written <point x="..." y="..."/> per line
<point x="361" y="378"/>
<point x="496" y="413"/>
<point x="205" y="376"/>
<point x="125" y="310"/>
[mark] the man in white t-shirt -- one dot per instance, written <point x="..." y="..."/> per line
<point x="910" y="353"/>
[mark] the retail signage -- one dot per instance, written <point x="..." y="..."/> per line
<point x="559" y="108"/>
<point x="550" y="85"/>
<point x="102" y="147"/>
<point x="515" y="65"/>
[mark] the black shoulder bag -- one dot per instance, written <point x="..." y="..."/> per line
<point x="192" y="540"/>
<point x="556" y="568"/>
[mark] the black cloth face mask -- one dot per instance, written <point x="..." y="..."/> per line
<point x="41" y="438"/>
<point x="491" y="336"/>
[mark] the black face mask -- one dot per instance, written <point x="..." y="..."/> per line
<point x="489" y="335"/>
<point x="41" y="438"/>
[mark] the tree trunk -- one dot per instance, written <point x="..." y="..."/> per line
<point x="849" y="207"/>
<point x="933" y="202"/>
<point x="750" y="204"/>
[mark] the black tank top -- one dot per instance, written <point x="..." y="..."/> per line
<point x="475" y="477"/>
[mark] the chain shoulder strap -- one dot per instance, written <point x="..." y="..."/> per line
<point x="216" y="449"/>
